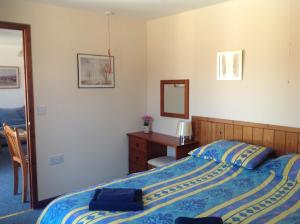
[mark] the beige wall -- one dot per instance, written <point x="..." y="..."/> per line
<point x="185" y="46"/>
<point x="88" y="126"/>
<point x="10" y="98"/>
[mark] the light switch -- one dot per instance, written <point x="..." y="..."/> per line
<point x="41" y="110"/>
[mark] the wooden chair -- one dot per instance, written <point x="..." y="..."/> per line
<point x="18" y="158"/>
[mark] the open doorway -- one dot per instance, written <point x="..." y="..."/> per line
<point x="13" y="198"/>
<point x="17" y="105"/>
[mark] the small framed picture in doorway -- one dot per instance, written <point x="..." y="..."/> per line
<point x="9" y="77"/>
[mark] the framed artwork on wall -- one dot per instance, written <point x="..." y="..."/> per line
<point x="9" y="77"/>
<point x="230" y="65"/>
<point x="95" y="71"/>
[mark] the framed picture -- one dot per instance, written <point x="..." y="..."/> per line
<point x="230" y="65"/>
<point x="9" y="77"/>
<point x="95" y="71"/>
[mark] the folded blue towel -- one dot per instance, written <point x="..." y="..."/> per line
<point x="205" y="220"/>
<point x="130" y="200"/>
<point x="118" y="194"/>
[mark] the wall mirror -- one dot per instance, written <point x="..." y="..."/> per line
<point x="174" y="98"/>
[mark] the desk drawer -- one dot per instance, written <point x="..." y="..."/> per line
<point x="138" y="157"/>
<point x="138" y="144"/>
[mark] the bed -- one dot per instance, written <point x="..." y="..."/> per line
<point x="197" y="187"/>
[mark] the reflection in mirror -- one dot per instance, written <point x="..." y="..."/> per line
<point x="174" y="98"/>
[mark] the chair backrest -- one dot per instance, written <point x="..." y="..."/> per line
<point x="14" y="144"/>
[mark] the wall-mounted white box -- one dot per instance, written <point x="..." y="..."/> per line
<point x="56" y="159"/>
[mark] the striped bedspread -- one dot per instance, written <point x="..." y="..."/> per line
<point x="190" y="187"/>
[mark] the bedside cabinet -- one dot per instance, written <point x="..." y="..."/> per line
<point x="143" y="147"/>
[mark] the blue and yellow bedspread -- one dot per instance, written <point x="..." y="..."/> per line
<point x="190" y="187"/>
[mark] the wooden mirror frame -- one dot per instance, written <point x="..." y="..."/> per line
<point x="185" y="115"/>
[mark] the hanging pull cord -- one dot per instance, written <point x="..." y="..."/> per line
<point x="108" y="51"/>
<point x="110" y="67"/>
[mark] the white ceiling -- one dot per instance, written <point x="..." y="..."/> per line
<point x="10" y="37"/>
<point x="147" y="9"/>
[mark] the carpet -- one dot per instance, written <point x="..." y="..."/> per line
<point x="9" y="203"/>
<point x="24" y="217"/>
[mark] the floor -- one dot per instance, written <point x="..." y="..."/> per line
<point x="11" y="207"/>
<point x="24" y="217"/>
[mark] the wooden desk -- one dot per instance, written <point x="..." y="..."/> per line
<point x="143" y="147"/>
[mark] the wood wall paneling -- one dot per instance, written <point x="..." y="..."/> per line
<point x="258" y="135"/>
<point x="268" y="138"/>
<point x="291" y="142"/>
<point x="208" y="132"/>
<point x="298" y="143"/>
<point x="238" y="133"/>
<point x="279" y="142"/>
<point x="220" y="128"/>
<point x="203" y="135"/>
<point x="248" y="134"/>
<point x="282" y="139"/>
<point x="228" y="132"/>
<point x="197" y="130"/>
<point x="211" y="132"/>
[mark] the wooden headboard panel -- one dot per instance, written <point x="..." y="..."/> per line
<point x="282" y="139"/>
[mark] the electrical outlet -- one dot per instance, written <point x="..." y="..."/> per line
<point x="56" y="159"/>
